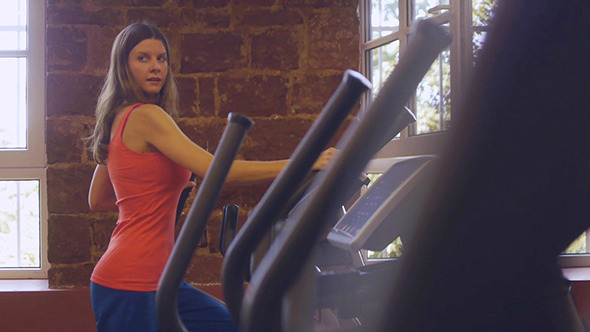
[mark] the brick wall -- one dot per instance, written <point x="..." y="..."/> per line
<point x="276" y="61"/>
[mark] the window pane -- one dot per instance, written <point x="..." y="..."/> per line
<point x="433" y="97"/>
<point x="382" y="59"/>
<point x="393" y="250"/>
<point x="477" y="42"/>
<point x="19" y="224"/>
<point x="384" y="18"/>
<point x="12" y="40"/>
<point x="421" y="7"/>
<point x="13" y="25"/>
<point x="579" y="246"/>
<point x="13" y="127"/>
<point x="482" y="11"/>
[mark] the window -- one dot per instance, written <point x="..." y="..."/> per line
<point x="22" y="146"/>
<point x="386" y="29"/>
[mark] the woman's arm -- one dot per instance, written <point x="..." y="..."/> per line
<point x="243" y="171"/>
<point x="101" y="196"/>
<point x="161" y="132"/>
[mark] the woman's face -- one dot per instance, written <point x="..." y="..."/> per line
<point x="148" y="64"/>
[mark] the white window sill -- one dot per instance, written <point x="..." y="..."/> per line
<point x="577" y="273"/>
<point x="25" y="285"/>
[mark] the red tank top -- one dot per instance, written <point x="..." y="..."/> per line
<point x="147" y="186"/>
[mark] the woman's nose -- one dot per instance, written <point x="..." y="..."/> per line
<point x="155" y="65"/>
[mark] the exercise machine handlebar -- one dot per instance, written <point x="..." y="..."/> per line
<point x="196" y="220"/>
<point x="237" y="257"/>
<point x="386" y="116"/>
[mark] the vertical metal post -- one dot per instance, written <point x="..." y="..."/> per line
<point x="192" y="230"/>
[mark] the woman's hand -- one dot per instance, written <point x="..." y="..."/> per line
<point x="324" y="159"/>
<point x="190" y="184"/>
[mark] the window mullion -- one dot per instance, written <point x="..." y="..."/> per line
<point x="405" y="18"/>
<point x="13" y="54"/>
<point x="406" y="13"/>
<point x="18" y="225"/>
<point x="462" y="61"/>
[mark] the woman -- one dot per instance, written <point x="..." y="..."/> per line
<point x="144" y="162"/>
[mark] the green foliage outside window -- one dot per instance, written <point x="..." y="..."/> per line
<point x="19" y="224"/>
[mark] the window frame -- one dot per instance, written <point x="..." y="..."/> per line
<point x="461" y="58"/>
<point x="31" y="272"/>
<point x="31" y="163"/>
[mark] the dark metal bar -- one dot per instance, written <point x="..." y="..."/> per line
<point x="229" y="226"/>
<point x="237" y="258"/>
<point x="198" y="215"/>
<point x="386" y="116"/>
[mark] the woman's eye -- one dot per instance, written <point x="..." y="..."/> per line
<point x="162" y="59"/>
<point x="141" y="58"/>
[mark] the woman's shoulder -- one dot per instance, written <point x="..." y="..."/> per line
<point x="149" y="119"/>
<point x="145" y="109"/>
<point x="147" y="112"/>
<point x="141" y="124"/>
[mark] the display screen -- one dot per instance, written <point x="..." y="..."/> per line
<point x="377" y="194"/>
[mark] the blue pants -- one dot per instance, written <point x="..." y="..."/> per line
<point x="127" y="311"/>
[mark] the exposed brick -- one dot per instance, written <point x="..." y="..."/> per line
<point x="66" y="48"/>
<point x="64" y="2"/>
<point x="206" y="132"/>
<point x="69" y="276"/>
<point x="90" y="3"/>
<point x="276" y="49"/>
<point x="102" y="226"/>
<point x="199" y="20"/>
<point x="77" y="14"/>
<point x="68" y="239"/>
<point x="268" y="18"/>
<point x="152" y="3"/>
<point x="211" y="53"/>
<point x="321" y="3"/>
<point x="67" y="188"/>
<point x="275" y="137"/>
<point x="311" y="93"/>
<point x="253" y="96"/>
<point x="99" y="38"/>
<point x="245" y="196"/>
<point x="334" y="40"/>
<point x="157" y="16"/>
<point x="204" y="3"/>
<point x="255" y="2"/>
<point x="187" y="88"/>
<point x="72" y="94"/>
<point x="65" y="139"/>
<point x="206" y="96"/>
<point x="205" y="268"/>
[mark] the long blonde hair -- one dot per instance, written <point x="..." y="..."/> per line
<point x="119" y="88"/>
